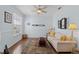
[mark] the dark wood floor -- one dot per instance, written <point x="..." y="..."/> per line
<point x="16" y="48"/>
<point x="30" y="46"/>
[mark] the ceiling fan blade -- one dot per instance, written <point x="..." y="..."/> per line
<point x="44" y="11"/>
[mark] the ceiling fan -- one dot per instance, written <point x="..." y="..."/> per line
<point x="40" y="9"/>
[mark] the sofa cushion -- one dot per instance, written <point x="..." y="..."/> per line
<point x="69" y="38"/>
<point x="66" y="38"/>
<point x="63" y="38"/>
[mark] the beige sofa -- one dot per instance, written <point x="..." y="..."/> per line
<point x="61" y="46"/>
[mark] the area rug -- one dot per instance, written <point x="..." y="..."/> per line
<point x="32" y="47"/>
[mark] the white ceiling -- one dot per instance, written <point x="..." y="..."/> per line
<point x="29" y="9"/>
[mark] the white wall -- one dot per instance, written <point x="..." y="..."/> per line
<point x="6" y="29"/>
<point x="72" y="14"/>
<point x="37" y="31"/>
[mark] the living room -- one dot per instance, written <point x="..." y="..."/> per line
<point x="56" y="23"/>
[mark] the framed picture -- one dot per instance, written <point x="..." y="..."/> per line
<point x="62" y="24"/>
<point x="7" y="17"/>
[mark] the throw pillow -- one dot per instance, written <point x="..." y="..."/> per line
<point x="63" y="38"/>
<point x="68" y="38"/>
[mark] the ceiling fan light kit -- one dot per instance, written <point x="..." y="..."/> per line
<point x="39" y="11"/>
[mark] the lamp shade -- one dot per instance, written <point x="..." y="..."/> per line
<point x="72" y="26"/>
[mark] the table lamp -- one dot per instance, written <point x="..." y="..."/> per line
<point x="72" y="27"/>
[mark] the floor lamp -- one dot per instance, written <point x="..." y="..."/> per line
<point x="72" y="27"/>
